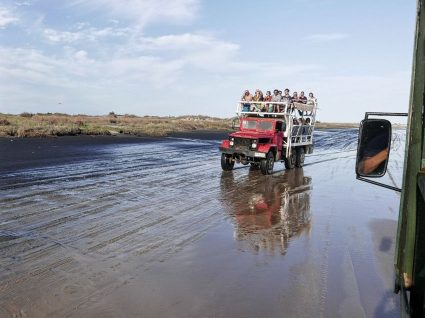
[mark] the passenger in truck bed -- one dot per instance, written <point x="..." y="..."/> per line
<point x="311" y="99"/>
<point x="247" y="97"/>
<point x="276" y="98"/>
<point x="258" y="97"/>
<point x="302" y="98"/>
<point x="268" y="98"/>
<point x="287" y="99"/>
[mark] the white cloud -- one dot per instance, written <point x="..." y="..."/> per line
<point x="87" y="34"/>
<point x="198" y="50"/>
<point x="81" y="55"/>
<point x="30" y="66"/>
<point x="326" y="37"/>
<point x="207" y="53"/>
<point x="76" y="68"/>
<point x="22" y="3"/>
<point x="6" y="18"/>
<point x="129" y="77"/>
<point x="186" y="41"/>
<point x="348" y="97"/>
<point x="145" y="11"/>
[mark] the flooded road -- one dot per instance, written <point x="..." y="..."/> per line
<point x="128" y="227"/>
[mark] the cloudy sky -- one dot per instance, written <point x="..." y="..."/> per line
<point x="175" y="57"/>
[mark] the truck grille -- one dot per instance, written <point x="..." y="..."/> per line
<point x="242" y="143"/>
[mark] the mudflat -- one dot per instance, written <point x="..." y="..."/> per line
<point x="140" y="227"/>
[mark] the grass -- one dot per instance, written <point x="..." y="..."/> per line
<point x="58" y="124"/>
<point x="320" y="125"/>
<point x="43" y="125"/>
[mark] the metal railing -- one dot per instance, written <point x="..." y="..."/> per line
<point x="297" y="134"/>
<point x="245" y="108"/>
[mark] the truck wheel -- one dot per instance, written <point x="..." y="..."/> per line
<point x="226" y="162"/>
<point x="290" y="162"/>
<point x="267" y="164"/>
<point x="300" y="157"/>
<point x="309" y="149"/>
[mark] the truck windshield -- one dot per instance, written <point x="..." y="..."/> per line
<point x="260" y="125"/>
<point x="249" y="124"/>
<point x="265" y="125"/>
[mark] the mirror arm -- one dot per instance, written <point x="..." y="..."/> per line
<point x="367" y="114"/>
<point x="379" y="184"/>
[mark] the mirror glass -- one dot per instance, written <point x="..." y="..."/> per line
<point x="373" y="147"/>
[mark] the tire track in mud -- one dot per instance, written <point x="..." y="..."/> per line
<point x="88" y="226"/>
<point x="90" y="173"/>
<point x="151" y="205"/>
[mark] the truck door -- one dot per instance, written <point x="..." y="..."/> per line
<point x="280" y="127"/>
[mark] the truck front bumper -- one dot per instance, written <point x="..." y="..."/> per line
<point x="242" y="153"/>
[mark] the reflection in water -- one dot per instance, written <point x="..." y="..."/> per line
<point x="268" y="211"/>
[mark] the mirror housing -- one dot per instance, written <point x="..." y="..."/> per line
<point x="234" y="123"/>
<point x="373" y="148"/>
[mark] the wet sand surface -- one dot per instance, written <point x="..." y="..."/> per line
<point x="130" y="227"/>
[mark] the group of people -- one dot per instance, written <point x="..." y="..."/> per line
<point x="285" y="100"/>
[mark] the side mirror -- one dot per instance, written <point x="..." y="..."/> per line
<point x="373" y="148"/>
<point x="234" y="125"/>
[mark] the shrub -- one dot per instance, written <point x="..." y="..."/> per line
<point x="53" y="121"/>
<point x="26" y="114"/>
<point x="4" y="122"/>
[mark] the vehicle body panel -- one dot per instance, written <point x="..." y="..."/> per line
<point x="410" y="250"/>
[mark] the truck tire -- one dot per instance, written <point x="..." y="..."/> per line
<point x="290" y="162"/>
<point x="266" y="165"/>
<point x="226" y="162"/>
<point x="299" y="162"/>
<point x="309" y="150"/>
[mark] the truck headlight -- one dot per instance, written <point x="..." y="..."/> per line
<point x="254" y="144"/>
<point x="232" y="141"/>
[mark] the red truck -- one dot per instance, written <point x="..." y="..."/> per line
<point x="266" y="137"/>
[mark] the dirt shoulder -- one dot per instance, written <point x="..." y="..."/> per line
<point x="44" y="125"/>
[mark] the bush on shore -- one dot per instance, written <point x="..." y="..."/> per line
<point x="4" y="122"/>
<point x="55" y="124"/>
<point x="26" y="115"/>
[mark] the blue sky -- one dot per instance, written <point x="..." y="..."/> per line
<point x="176" y="57"/>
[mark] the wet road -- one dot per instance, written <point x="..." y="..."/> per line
<point x="107" y="227"/>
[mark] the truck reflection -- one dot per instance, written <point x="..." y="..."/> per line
<point x="268" y="212"/>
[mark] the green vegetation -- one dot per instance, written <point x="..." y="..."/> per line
<point x="58" y="124"/>
<point x="321" y="125"/>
